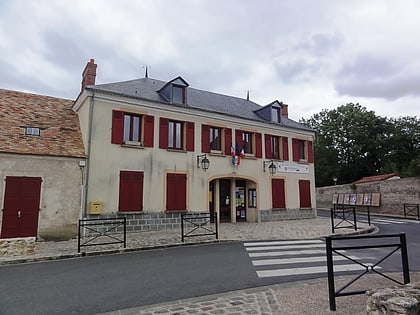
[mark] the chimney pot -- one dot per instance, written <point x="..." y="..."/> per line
<point x="285" y="110"/>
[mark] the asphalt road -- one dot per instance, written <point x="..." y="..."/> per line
<point x="91" y="285"/>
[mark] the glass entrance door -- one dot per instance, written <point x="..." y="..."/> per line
<point x="240" y="201"/>
<point x="225" y="200"/>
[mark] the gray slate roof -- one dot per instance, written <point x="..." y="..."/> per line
<point x="147" y="89"/>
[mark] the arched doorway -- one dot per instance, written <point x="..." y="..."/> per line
<point x="234" y="199"/>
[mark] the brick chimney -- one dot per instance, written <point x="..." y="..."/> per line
<point x="284" y="110"/>
<point x="89" y="74"/>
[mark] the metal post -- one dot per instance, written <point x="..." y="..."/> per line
<point x="182" y="227"/>
<point x="330" y="269"/>
<point x="354" y="218"/>
<point x="217" y="229"/>
<point x="332" y="218"/>
<point x="125" y="232"/>
<point x="368" y="208"/>
<point x="78" y="239"/>
<point x="404" y="258"/>
<point x="418" y="212"/>
<point x="405" y="213"/>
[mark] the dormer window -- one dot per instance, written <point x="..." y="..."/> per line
<point x="32" y="131"/>
<point x="178" y="94"/>
<point x="175" y="91"/>
<point x="275" y="114"/>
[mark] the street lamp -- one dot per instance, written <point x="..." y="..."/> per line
<point x="335" y="180"/>
<point x="272" y="168"/>
<point x="204" y="161"/>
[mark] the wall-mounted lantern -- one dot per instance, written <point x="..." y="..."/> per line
<point x="204" y="161"/>
<point x="335" y="180"/>
<point x="272" y="168"/>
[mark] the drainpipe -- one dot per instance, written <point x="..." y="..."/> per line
<point x="89" y="145"/>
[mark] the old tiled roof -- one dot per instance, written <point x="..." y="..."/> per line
<point x="148" y="88"/>
<point x="376" y="178"/>
<point x="60" y="130"/>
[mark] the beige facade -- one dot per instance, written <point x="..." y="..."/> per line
<point x="250" y="182"/>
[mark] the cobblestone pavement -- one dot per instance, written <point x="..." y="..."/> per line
<point x="309" y="297"/>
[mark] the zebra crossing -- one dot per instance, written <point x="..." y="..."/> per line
<point x="292" y="258"/>
<point x="386" y="221"/>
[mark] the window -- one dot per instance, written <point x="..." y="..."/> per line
<point x="276" y="147"/>
<point x="305" y="193"/>
<point x="130" y="128"/>
<point x="215" y="139"/>
<point x="131" y="191"/>
<point x="176" y="192"/>
<point x="275" y="114"/>
<point x="176" y="135"/>
<point x="32" y="131"/>
<point x="249" y="142"/>
<point x="302" y="151"/>
<point x="278" y="198"/>
<point x="178" y="94"/>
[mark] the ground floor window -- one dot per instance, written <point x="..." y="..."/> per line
<point x="176" y="192"/>
<point x="131" y="191"/>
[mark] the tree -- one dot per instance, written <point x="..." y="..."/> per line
<point x="350" y="143"/>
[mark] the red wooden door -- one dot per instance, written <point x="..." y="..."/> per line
<point x="305" y="193"/>
<point x="21" y="207"/>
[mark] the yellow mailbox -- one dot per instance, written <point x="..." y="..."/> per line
<point x="95" y="207"/>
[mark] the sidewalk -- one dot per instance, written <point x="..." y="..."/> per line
<point x="309" y="297"/>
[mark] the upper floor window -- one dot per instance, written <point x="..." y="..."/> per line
<point x="249" y="142"/>
<point x="215" y="139"/>
<point x="132" y="129"/>
<point x="302" y="151"/>
<point x="32" y="131"/>
<point x="177" y="135"/>
<point x="276" y="147"/>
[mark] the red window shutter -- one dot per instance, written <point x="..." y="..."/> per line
<point x="205" y="138"/>
<point x="163" y="133"/>
<point x="228" y="140"/>
<point x="149" y="123"/>
<point x="285" y="142"/>
<point x="295" y="149"/>
<point x="268" y="152"/>
<point x="238" y="139"/>
<point x="190" y="136"/>
<point x="131" y="191"/>
<point x="310" y="152"/>
<point x="305" y="193"/>
<point x="176" y="192"/>
<point x="117" y="127"/>
<point x="258" y="145"/>
<point x="278" y="194"/>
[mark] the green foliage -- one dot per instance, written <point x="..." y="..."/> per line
<point x="353" y="142"/>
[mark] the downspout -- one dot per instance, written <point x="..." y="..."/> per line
<point x="89" y="145"/>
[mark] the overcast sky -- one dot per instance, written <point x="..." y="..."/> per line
<point x="312" y="55"/>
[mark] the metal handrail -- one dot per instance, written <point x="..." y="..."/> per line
<point x="104" y="232"/>
<point x="409" y="208"/>
<point x="199" y="222"/>
<point x="371" y="268"/>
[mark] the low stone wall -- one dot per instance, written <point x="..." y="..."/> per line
<point x="285" y="214"/>
<point x="17" y="246"/>
<point x="401" y="300"/>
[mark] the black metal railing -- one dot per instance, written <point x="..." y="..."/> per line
<point x="199" y="224"/>
<point x="411" y="209"/>
<point x="393" y="246"/>
<point x="346" y="215"/>
<point x="96" y="232"/>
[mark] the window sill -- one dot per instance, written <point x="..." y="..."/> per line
<point x="217" y="153"/>
<point x="176" y="150"/>
<point x="132" y="145"/>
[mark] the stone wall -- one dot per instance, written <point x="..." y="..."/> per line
<point x="285" y="214"/>
<point x="394" y="193"/>
<point x="400" y="300"/>
<point x="17" y="246"/>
